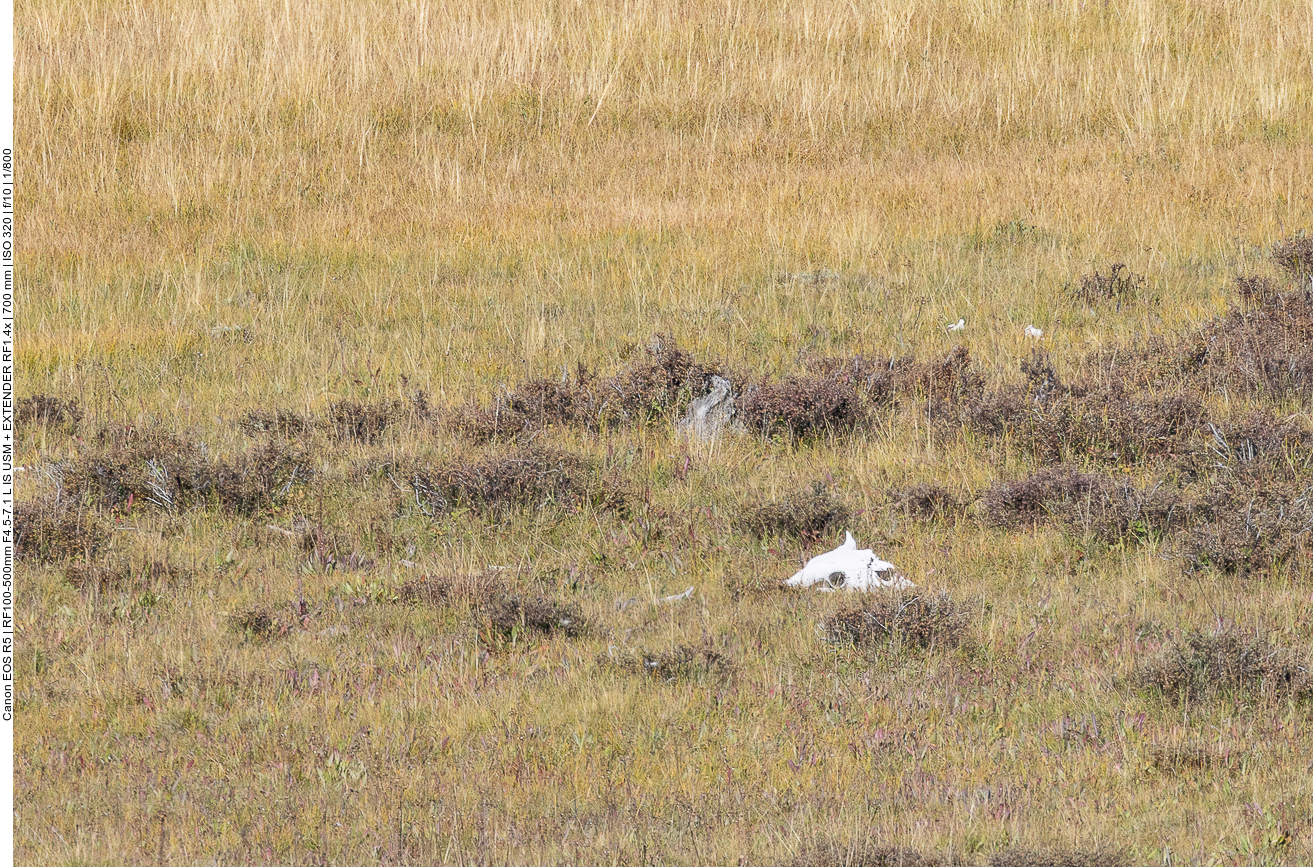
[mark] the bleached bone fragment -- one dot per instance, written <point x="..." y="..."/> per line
<point x="849" y="568"/>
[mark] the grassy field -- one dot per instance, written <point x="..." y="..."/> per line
<point x="351" y="342"/>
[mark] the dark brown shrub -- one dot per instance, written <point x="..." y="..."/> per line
<point x="1030" y="858"/>
<point x="800" y="407"/>
<point x="1261" y="348"/>
<point x="661" y="384"/>
<point x="1205" y="665"/>
<point x="257" y="624"/>
<point x="1295" y="256"/>
<point x="281" y="423"/>
<point x="51" y="528"/>
<point x="1256" y="290"/>
<point x="142" y="466"/>
<point x="260" y="478"/>
<point x="954" y="379"/>
<point x="868" y="855"/>
<point x="682" y="662"/>
<point x="1260" y="438"/>
<point x="512" y="616"/>
<point x="48" y="411"/>
<point x="534" y="405"/>
<point x="121" y="576"/>
<point x="918" y="620"/>
<point x="1039" y="497"/>
<point x="1249" y="531"/>
<point x="883" y="381"/>
<point x="154" y="467"/>
<point x="926" y="502"/>
<point x="1041" y="378"/>
<point x="362" y="422"/>
<point x="1265" y="350"/>
<point x="1160" y="363"/>
<point x="656" y="387"/>
<point x="448" y="590"/>
<point x="807" y="515"/>
<point x="483" y="424"/>
<point x="1118" y="284"/>
<point x="1108" y="428"/>
<point x="531" y="475"/>
<point x="875" y="380"/>
<point x="1088" y="504"/>
<point x="995" y="412"/>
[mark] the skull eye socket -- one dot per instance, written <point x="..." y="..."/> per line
<point x="836" y="579"/>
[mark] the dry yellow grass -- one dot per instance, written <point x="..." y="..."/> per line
<point x="227" y="207"/>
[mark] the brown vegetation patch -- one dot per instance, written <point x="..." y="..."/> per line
<point x="1109" y="426"/>
<point x="1119" y="284"/>
<point x="48" y="411"/>
<point x="281" y="423"/>
<point x="1094" y="419"/>
<point x="1250" y="523"/>
<point x="800" y="407"/>
<point x="1091" y="505"/>
<point x="1263" y="350"/>
<point x="920" y="620"/>
<point x="1256" y="290"/>
<point x="1261" y="439"/>
<point x="927" y="502"/>
<point x="532" y="475"/>
<point x="258" y="624"/>
<point x="807" y="515"/>
<point x="1204" y="665"/>
<point x="121" y="576"/>
<point x="884" y="381"/>
<point x="447" y="590"/>
<point x="362" y="422"/>
<point x="50" y="529"/>
<point x="682" y="662"/>
<point x="533" y="405"/>
<point x="660" y="384"/>
<point x="879" y="381"/>
<point x="511" y="616"/>
<point x="1295" y="256"/>
<point x="865" y="855"/>
<point x="149" y="466"/>
<point x="1038" y="497"/>
<point x="1030" y="858"/>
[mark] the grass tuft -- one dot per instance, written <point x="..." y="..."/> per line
<point x="800" y="407"/>
<point x="1031" y="858"/>
<point x="48" y="411"/>
<point x="49" y="528"/>
<point x="928" y="502"/>
<point x="258" y="624"/>
<point x="835" y="855"/>
<point x="528" y="476"/>
<point x="1120" y="284"/>
<point x="682" y="662"/>
<point x="1295" y="256"/>
<point x="807" y="515"/>
<point x="512" y="615"/>
<point x="1206" y="665"/>
<point x="918" y="620"/>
